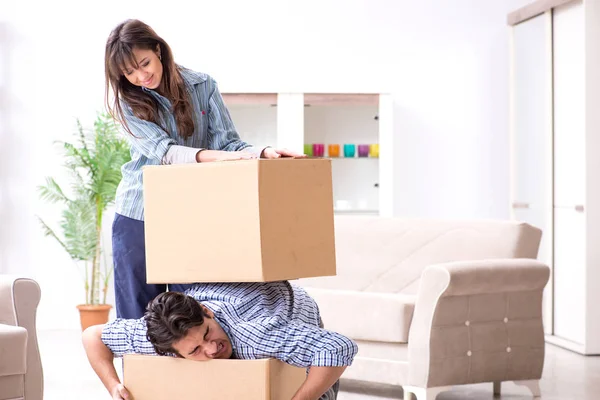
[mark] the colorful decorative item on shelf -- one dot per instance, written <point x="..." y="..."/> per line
<point x="308" y="149"/>
<point x="333" y="150"/>
<point x="363" y="150"/>
<point x="374" y="150"/>
<point x="318" y="149"/>
<point x="349" y="150"/>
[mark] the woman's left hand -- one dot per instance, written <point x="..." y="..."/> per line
<point x="270" y="152"/>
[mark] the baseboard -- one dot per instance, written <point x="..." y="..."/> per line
<point x="569" y="345"/>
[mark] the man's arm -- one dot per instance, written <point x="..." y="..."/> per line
<point x="318" y="381"/>
<point x="326" y="353"/>
<point x="101" y="360"/>
<point x="104" y="342"/>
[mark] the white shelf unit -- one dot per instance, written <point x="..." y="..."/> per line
<point x="254" y="116"/>
<point x="555" y="162"/>
<point x="354" y="120"/>
<point x="362" y="185"/>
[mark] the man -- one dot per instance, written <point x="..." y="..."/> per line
<point x="228" y="320"/>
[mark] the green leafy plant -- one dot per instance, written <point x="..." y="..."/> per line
<point x="94" y="162"/>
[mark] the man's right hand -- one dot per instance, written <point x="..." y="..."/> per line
<point x="220" y="155"/>
<point x="101" y="360"/>
<point x="120" y="393"/>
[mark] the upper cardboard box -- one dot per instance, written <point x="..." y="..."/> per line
<point x="239" y="221"/>
<point x="162" y="378"/>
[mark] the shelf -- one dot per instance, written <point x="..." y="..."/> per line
<point x="250" y="98"/>
<point x="341" y="99"/>
<point x="293" y="120"/>
<point x="351" y="158"/>
<point x="310" y="99"/>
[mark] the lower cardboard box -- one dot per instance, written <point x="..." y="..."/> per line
<point x="162" y="378"/>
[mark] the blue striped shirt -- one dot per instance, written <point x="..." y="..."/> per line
<point x="262" y="320"/>
<point x="151" y="145"/>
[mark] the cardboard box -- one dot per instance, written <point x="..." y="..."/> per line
<point x="161" y="378"/>
<point x="239" y="221"/>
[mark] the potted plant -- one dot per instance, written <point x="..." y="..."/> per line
<point x="94" y="162"/>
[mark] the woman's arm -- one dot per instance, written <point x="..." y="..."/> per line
<point x="150" y="140"/>
<point x="147" y="138"/>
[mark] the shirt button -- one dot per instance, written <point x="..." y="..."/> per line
<point x="467" y="323"/>
<point x="508" y="350"/>
<point x="469" y="353"/>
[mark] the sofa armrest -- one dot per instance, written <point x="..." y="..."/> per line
<point x="19" y="299"/>
<point x="478" y="321"/>
<point x="13" y="347"/>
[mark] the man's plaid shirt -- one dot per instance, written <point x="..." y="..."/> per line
<point x="263" y="320"/>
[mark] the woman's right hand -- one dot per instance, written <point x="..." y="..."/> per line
<point x="120" y="393"/>
<point x="220" y="155"/>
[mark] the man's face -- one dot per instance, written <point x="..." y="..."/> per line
<point x="205" y="342"/>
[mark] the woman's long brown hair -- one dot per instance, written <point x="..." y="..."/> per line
<point x="123" y="39"/>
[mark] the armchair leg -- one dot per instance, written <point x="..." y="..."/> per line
<point x="497" y="388"/>
<point x="533" y="386"/>
<point x="424" y="393"/>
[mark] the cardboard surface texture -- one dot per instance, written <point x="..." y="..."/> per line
<point x="161" y="378"/>
<point x="239" y="221"/>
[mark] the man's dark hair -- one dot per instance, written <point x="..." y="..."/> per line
<point x="169" y="317"/>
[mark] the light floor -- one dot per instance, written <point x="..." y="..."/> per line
<point x="567" y="376"/>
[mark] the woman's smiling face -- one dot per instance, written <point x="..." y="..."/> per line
<point x="149" y="69"/>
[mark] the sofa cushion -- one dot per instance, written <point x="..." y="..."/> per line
<point x="378" y="317"/>
<point x="376" y="254"/>
<point x="13" y="350"/>
<point x="380" y="363"/>
<point x="382" y="350"/>
<point x="12" y="387"/>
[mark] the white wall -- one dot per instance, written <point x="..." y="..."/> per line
<point x="445" y="62"/>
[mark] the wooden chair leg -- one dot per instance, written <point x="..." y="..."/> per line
<point x="497" y="388"/>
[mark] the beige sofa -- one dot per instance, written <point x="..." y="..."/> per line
<point x="20" y="366"/>
<point x="434" y="304"/>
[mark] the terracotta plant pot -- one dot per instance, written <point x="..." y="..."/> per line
<point x="93" y="314"/>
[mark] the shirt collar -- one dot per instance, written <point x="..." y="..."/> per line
<point x="192" y="77"/>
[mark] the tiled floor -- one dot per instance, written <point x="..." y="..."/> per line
<point x="567" y="376"/>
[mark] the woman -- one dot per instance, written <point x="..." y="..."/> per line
<point x="173" y="115"/>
